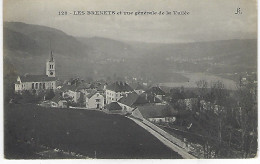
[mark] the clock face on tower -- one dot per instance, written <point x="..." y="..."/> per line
<point x="51" y="73"/>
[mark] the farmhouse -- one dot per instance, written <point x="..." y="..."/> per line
<point x="35" y="83"/>
<point x="131" y="100"/>
<point x="70" y="92"/>
<point x="155" y="113"/>
<point x="156" y="91"/>
<point x="113" y="108"/>
<point x="95" y="100"/>
<point x="138" y="88"/>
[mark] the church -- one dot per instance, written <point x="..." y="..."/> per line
<point x="35" y="83"/>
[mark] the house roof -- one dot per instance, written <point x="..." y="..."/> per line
<point x="113" y="106"/>
<point x="151" y="98"/>
<point x="132" y="99"/>
<point x="36" y="78"/>
<point x="69" y="87"/>
<point x="120" y="87"/>
<point x="155" y="90"/>
<point x="156" y="111"/>
<point x="137" y="86"/>
<point x="57" y="98"/>
<point x="92" y="94"/>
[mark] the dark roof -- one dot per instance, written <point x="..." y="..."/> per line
<point x="120" y="87"/>
<point x="92" y="94"/>
<point x="113" y="106"/>
<point x="151" y="98"/>
<point x="137" y="86"/>
<point x="132" y="99"/>
<point x="83" y="86"/>
<point x="69" y="87"/>
<point x="57" y="98"/>
<point x="155" y="90"/>
<point x="156" y="111"/>
<point x="36" y="78"/>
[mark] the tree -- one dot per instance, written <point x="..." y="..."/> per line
<point x="247" y="116"/>
<point x="202" y="86"/>
<point x="49" y="95"/>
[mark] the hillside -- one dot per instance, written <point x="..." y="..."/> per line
<point x="90" y="133"/>
<point x="28" y="46"/>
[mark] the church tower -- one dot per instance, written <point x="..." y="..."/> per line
<point x="50" y="66"/>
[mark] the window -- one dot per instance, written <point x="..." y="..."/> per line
<point x="97" y="100"/>
<point x="50" y="66"/>
<point x="40" y="85"/>
<point x="36" y="86"/>
<point x="32" y="85"/>
<point x="43" y="86"/>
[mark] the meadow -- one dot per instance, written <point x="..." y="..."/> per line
<point x="93" y="134"/>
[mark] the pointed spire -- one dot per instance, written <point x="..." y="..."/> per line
<point x="51" y="57"/>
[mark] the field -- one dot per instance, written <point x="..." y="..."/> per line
<point x="89" y="133"/>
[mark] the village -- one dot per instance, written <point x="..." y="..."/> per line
<point x="176" y="114"/>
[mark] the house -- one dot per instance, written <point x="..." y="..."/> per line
<point x="49" y="103"/>
<point x="36" y="83"/>
<point x="155" y="113"/>
<point x="138" y="88"/>
<point x="95" y="100"/>
<point x="131" y="100"/>
<point x="156" y="91"/>
<point x="70" y="92"/>
<point x="60" y="102"/>
<point x="116" y="90"/>
<point x="113" y="108"/>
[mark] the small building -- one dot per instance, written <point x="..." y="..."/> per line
<point x="155" y="113"/>
<point x="156" y="91"/>
<point x="138" y="88"/>
<point x="113" y="108"/>
<point x="70" y="92"/>
<point x="95" y="100"/>
<point x="48" y="104"/>
<point x="131" y="100"/>
<point x="61" y="103"/>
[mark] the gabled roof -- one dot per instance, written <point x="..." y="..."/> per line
<point x="156" y="111"/>
<point x="151" y="98"/>
<point x="69" y="87"/>
<point x="36" y="78"/>
<point x="92" y="94"/>
<point x="155" y="90"/>
<point x="132" y="99"/>
<point x="57" y="98"/>
<point x="137" y="86"/>
<point x="113" y="106"/>
<point x="119" y="87"/>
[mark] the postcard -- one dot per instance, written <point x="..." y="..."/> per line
<point x="130" y="79"/>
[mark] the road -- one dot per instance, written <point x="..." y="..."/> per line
<point x="164" y="140"/>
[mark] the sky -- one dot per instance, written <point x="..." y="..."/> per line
<point x="208" y="20"/>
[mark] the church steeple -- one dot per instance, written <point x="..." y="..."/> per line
<point x="50" y="66"/>
<point x="51" y="57"/>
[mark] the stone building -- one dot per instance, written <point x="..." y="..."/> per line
<point x="35" y="83"/>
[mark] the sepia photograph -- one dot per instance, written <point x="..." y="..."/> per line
<point x="130" y="79"/>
